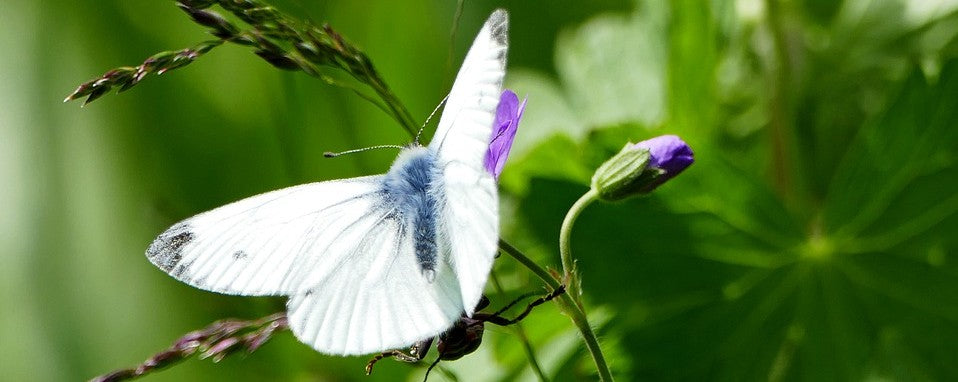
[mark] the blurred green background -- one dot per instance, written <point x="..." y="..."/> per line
<point x="813" y="240"/>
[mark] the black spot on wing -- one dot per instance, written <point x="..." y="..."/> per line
<point x="499" y="26"/>
<point x="240" y="255"/>
<point x="179" y="269"/>
<point x="166" y="251"/>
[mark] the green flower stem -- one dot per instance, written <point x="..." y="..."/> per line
<point x="568" y="305"/>
<point x="576" y="310"/>
<point x="565" y="246"/>
<point x="573" y="309"/>
<point x="543" y="274"/>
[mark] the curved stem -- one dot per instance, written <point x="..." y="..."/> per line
<point x="576" y="310"/>
<point x="567" y="304"/>
<point x="565" y="245"/>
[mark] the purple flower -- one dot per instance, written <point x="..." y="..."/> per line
<point x="641" y="167"/>
<point x="508" y="115"/>
<point x="667" y="153"/>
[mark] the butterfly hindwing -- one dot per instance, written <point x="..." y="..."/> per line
<point x="381" y="303"/>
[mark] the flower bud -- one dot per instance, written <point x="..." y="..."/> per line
<point x="640" y="168"/>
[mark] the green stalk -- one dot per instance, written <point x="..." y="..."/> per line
<point x="565" y="246"/>
<point x="568" y="305"/>
<point x="531" y="265"/>
<point x="591" y="342"/>
<point x="573" y="299"/>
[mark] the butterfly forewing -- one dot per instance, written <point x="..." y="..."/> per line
<point x="271" y="243"/>
<point x="470" y="216"/>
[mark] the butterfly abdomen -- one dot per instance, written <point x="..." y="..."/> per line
<point x="413" y="188"/>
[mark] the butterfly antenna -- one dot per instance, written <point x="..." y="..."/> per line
<point x="424" y="379"/>
<point x="444" y="99"/>
<point x="330" y="154"/>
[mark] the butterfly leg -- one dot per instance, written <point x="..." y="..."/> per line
<point x="416" y="353"/>
<point x="495" y="318"/>
<point x="426" y="378"/>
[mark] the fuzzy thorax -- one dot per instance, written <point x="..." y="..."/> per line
<point x="414" y="186"/>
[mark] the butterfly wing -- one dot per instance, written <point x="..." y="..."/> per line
<point x="277" y="243"/>
<point x="337" y="248"/>
<point x="385" y="303"/>
<point x="470" y="215"/>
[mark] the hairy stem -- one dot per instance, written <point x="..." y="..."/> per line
<point x="574" y="308"/>
<point x="539" y="271"/>
<point x="568" y="305"/>
<point x="581" y="322"/>
<point x="565" y="245"/>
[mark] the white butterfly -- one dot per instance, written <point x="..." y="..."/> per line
<point x="370" y="263"/>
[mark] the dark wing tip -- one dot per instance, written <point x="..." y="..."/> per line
<point x="498" y="24"/>
<point x="166" y="251"/>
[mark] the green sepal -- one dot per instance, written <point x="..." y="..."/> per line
<point x="623" y="175"/>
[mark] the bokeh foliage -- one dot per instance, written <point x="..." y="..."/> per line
<point x="813" y="239"/>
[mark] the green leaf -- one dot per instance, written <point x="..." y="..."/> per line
<point x="906" y="159"/>
<point x="613" y="67"/>
<point x="714" y="279"/>
<point x="606" y="77"/>
<point x="547" y="113"/>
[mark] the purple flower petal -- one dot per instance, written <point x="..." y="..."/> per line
<point x="667" y="153"/>
<point x="508" y="114"/>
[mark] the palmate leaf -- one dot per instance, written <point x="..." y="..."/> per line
<point x="893" y="212"/>
<point x="718" y="276"/>
<point x="714" y="279"/>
